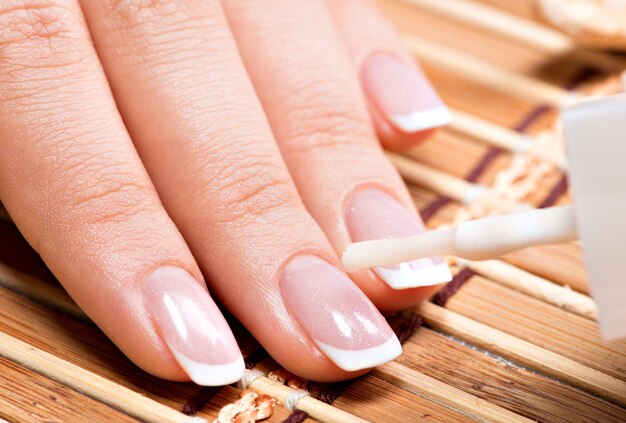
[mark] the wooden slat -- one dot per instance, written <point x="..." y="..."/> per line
<point x="26" y="396"/>
<point x="440" y="392"/>
<point x="559" y="263"/>
<point x="413" y="406"/>
<point x="515" y="28"/>
<point x="88" y="383"/>
<point x="450" y="186"/>
<point x="541" y="324"/>
<point x="452" y="154"/>
<point x="449" y="146"/>
<point x="522" y="8"/>
<point x="467" y="67"/>
<point x="380" y="401"/>
<point x="501" y="137"/>
<point x="524" y="353"/>
<point x="500" y="382"/>
<point x="537" y="287"/>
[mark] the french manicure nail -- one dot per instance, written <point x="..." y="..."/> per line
<point x="373" y="214"/>
<point x="402" y="94"/>
<point x="192" y="327"/>
<point x="339" y="318"/>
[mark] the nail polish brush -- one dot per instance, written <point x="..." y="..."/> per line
<point x="595" y="133"/>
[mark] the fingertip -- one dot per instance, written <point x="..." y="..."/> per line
<point x="374" y="213"/>
<point x="192" y="327"/>
<point x="396" y="140"/>
<point x="405" y="107"/>
<point x="390" y="300"/>
<point x="320" y="369"/>
<point x="334" y="313"/>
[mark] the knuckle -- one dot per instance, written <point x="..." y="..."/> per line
<point x="158" y="13"/>
<point x="141" y="31"/>
<point x="327" y="116"/>
<point x="248" y="189"/>
<point x="99" y="191"/>
<point x="113" y="200"/>
<point x="38" y="33"/>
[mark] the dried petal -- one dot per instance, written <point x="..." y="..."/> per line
<point x="297" y="383"/>
<point x="279" y="375"/>
<point x="598" y="23"/>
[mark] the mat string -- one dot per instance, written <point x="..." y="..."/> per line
<point x="293" y="398"/>
<point x="204" y="395"/>
<point x="248" y="377"/>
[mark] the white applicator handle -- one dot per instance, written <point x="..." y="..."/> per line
<point x="479" y="239"/>
<point x="487" y="238"/>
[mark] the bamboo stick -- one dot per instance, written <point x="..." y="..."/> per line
<point x="481" y="72"/>
<point x="524" y="353"/>
<point x="444" y="394"/>
<point x="40" y="292"/>
<point x="508" y="25"/>
<point x="501" y="137"/>
<point x="451" y="186"/>
<point x="546" y="326"/>
<point x="90" y="384"/>
<point x="534" y="286"/>
<point x="315" y="408"/>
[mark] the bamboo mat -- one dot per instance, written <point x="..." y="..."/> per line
<point x="508" y="340"/>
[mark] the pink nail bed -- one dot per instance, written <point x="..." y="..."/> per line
<point x="339" y="318"/>
<point x="374" y="214"/>
<point x="192" y="327"/>
<point x="402" y="94"/>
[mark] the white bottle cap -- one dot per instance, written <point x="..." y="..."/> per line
<point x="595" y="133"/>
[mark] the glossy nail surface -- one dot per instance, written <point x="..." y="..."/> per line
<point x="374" y="214"/>
<point x="192" y="327"/>
<point x="339" y="318"/>
<point x="402" y="94"/>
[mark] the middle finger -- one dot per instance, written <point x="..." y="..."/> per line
<point x="314" y="104"/>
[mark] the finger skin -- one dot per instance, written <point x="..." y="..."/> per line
<point x="317" y="113"/>
<point x="73" y="183"/>
<point x="366" y="33"/>
<point x="201" y="132"/>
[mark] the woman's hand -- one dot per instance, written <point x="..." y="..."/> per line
<point x="145" y="143"/>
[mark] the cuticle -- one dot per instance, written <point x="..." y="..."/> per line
<point x="177" y="264"/>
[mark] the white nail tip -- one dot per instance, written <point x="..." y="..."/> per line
<point x="352" y="360"/>
<point x="210" y="374"/>
<point x="425" y="119"/>
<point x="404" y="276"/>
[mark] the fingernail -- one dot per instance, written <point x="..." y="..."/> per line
<point x="192" y="327"/>
<point x="339" y="318"/>
<point x="373" y="214"/>
<point x="402" y="94"/>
